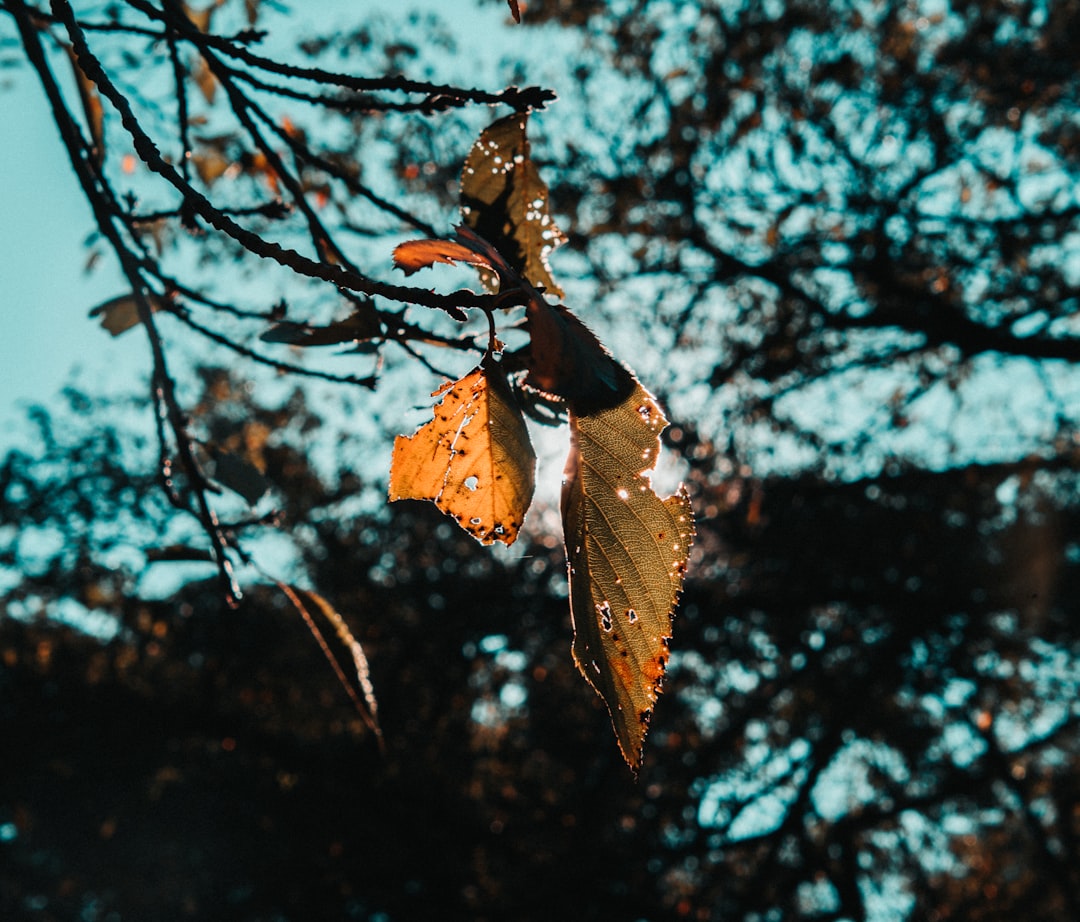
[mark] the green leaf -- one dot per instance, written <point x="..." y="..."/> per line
<point x="627" y="551"/>
<point x="473" y="460"/>
<point x="505" y="201"/>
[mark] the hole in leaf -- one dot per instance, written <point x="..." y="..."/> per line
<point x="472" y="482"/>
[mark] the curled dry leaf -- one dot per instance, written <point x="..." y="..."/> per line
<point x="473" y="460"/>
<point x="505" y="201"/>
<point x="414" y="255"/>
<point x="627" y="551"/>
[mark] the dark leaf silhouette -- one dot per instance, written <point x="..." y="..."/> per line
<point x="357" y="327"/>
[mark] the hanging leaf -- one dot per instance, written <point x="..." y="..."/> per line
<point x="627" y="551"/>
<point x="515" y="10"/>
<point x="357" y="327"/>
<point x="306" y="602"/>
<point x="505" y="201"/>
<point x="474" y="460"/>
<point x="120" y="314"/>
<point x="567" y="360"/>
<point x="92" y="107"/>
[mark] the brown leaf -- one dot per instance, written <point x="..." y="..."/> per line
<point x="120" y="314"/>
<point x="505" y="201"/>
<point x="627" y="551"/>
<point x="474" y="460"/>
<point x="92" y="107"/>
<point x="567" y="360"/>
<point x="515" y="10"/>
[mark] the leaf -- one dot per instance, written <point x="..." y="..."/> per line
<point x="122" y="313"/>
<point x="515" y="11"/>
<point x="305" y="602"/>
<point x="474" y="459"/>
<point x="414" y="255"/>
<point x="627" y="551"/>
<point x="92" y="107"/>
<point x="240" y="476"/>
<point x="505" y="201"/>
<point x="567" y="360"/>
<point x="358" y="326"/>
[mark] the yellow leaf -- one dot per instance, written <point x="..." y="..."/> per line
<point x="474" y="460"/>
<point x="505" y="201"/>
<point x="627" y="551"/>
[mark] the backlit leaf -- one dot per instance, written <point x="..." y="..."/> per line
<point x="120" y="314"/>
<point x="505" y="201"/>
<point x="627" y="551"/>
<point x="474" y="460"/>
<point x="414" y="255"/>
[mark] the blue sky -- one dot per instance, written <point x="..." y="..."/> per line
<point x="46" y="294"/>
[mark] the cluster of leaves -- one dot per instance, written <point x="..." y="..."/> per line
<point x="627" y="548"/>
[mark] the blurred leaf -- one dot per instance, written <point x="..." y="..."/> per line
<point x="627" y="550"/>
<point x="122" y="313"/>
<point x="515" y="10"/>
<point x="211" y="164"/>
<point x="199" y="18"/>
<point x="178" y="552"/>
<point x="505" y="201"/>
<point x="358" y="326"/>
<point x="240" y="476"/>
<point x="474" y="460"/>
<point x="205" y="80"/>
<point x="92" y="107"/>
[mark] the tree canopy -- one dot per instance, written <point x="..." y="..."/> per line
<point x="837" y="242"/>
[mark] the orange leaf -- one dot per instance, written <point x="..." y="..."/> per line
<point x="414" y="255"/>
<point x="474" y="460"/>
